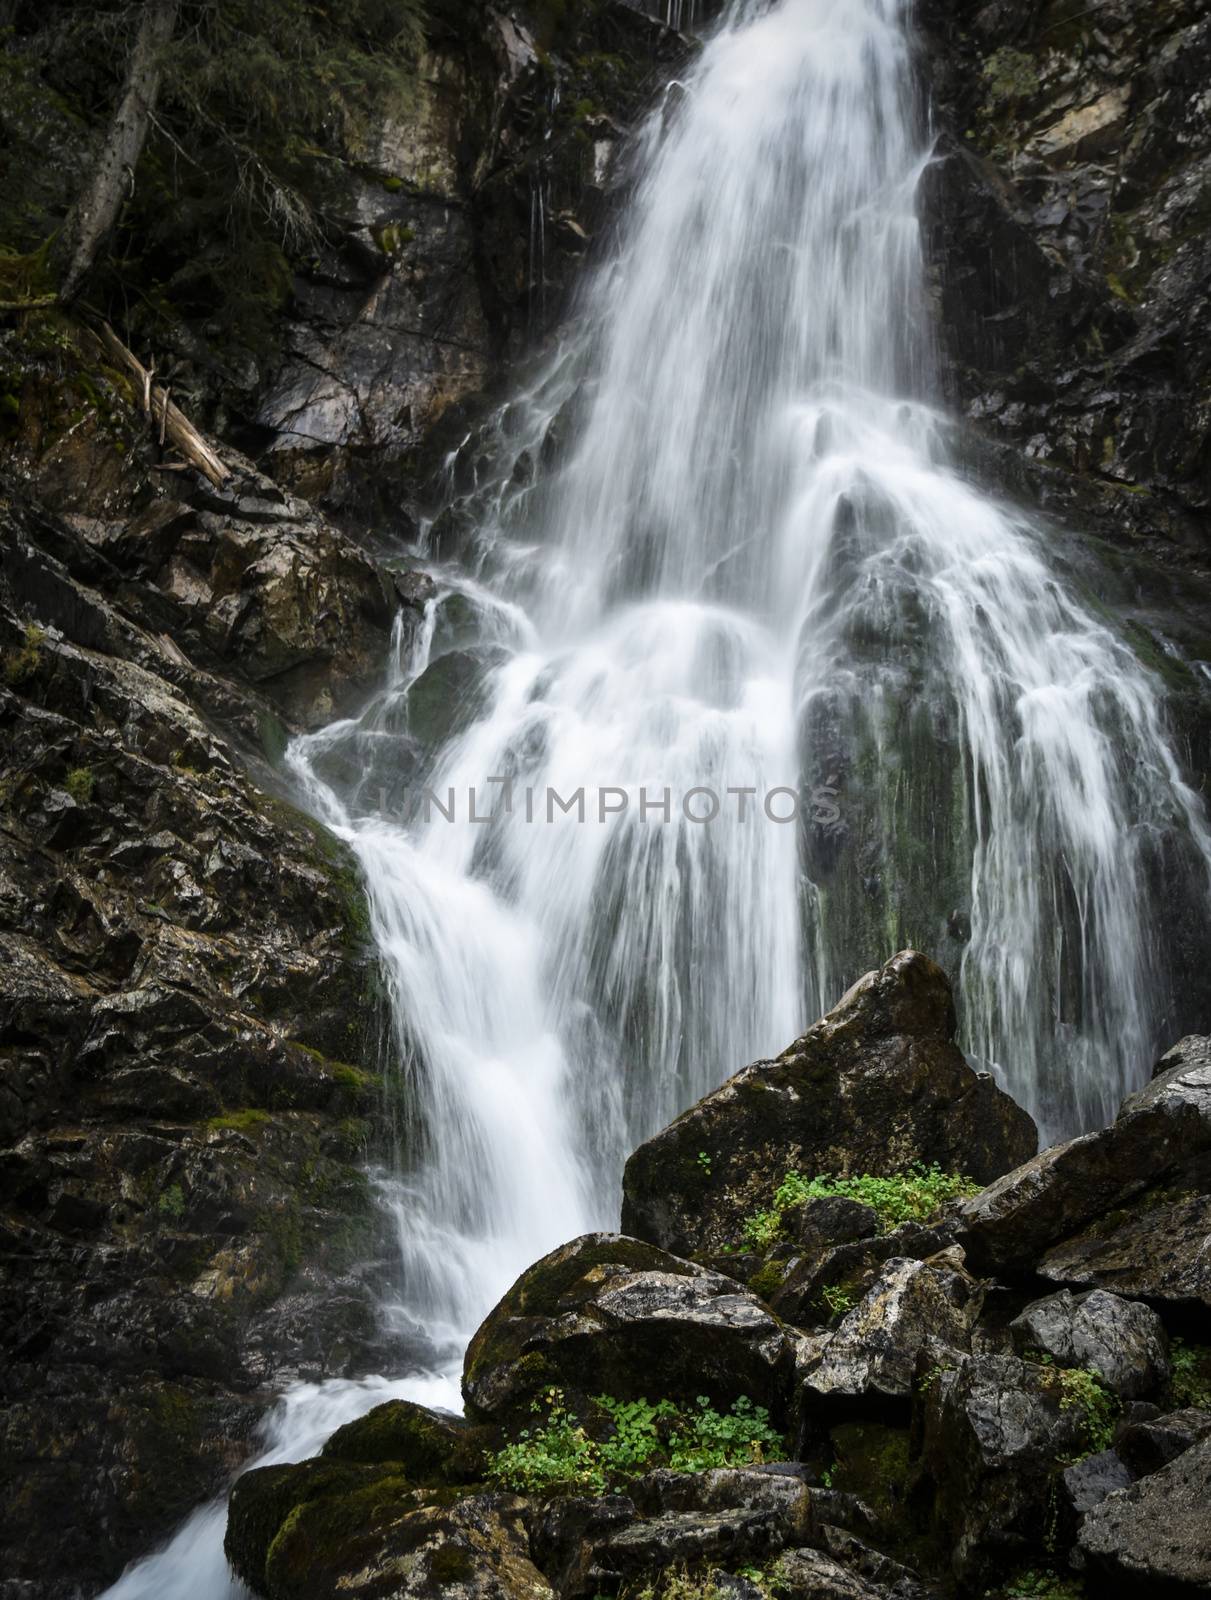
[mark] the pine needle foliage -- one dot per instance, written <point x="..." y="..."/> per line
<point x="262" y="103"/>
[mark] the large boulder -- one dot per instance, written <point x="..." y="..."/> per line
<point x="1120" y="1340"/>
<point x="1155" y="1538"/>
<point x="611" y="1315"/>
<point x="875" y="1086"/>
<point x="1126" y="1209"/>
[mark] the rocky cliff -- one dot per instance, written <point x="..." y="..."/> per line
<point x="189" y="1028"/>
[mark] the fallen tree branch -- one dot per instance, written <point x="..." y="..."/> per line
<point x="173" y="421"/>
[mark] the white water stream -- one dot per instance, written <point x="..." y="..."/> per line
<point x="747" y="566"/>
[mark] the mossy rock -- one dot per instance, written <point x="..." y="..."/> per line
<point x="384" y="1539"/>
<point x="425" y="1447"/>
<point x="606" y="1314"/>
<point x="263" y="1499"/>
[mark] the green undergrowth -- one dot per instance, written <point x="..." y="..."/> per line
<point x="1190" y="1383"/>
<point x="1033" y="1585"/>
<point x="684" y="1582"/>
<point x="915" y="1195"/>
<point x="624" y="1438"/>
<point x="1085" y="1392"/>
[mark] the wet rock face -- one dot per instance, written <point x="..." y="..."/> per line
<point x="610" y="1315"/>
<point x="1124" y="1209"/>
<point x="457" y="232"/>
<point x="1157" y="1533"/>
<point x="911" y="1311"/>
<point x="1069" y="230"/>
<point x="875" y="1086"/>
<point x="994" y="1430"/>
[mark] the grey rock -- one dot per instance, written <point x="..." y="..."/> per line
<point x="993" y="1430"/>
<point x="1147" y="1446"/>
<point x="1088" y="1482"/>
<point x="893" y="1579"/>
<point x="912" y="1309"/>
<point x="1126" y="1209"/>
<point x="1157" y="1533"/>
<point x="812" y="1575"/>
<point x="1120" y="1340"/>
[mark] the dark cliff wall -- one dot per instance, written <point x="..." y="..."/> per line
<point x="189" y="1049"/>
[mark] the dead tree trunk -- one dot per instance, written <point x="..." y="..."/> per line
<point x="170" y="420"/>
<point x="95" y="212"/>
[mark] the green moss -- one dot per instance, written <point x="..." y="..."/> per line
<point x="171" y="1204"/>
<point x="21" y="664"/>
<point x="452" y="1563"/>
<point x="392" y="237"/>
<point x="872" y="1461"/>
<point x="767" y="1280"/>
<point x="79" y="784"/>
<point x="244" y="1121"/>
<point x="311" y="1538"/>
<point x="1009" y="76"/>
<point x="424" y="1446"/>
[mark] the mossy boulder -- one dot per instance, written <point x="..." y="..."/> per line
<point x="262" y="1500"/>
<point x="875" y="1086"/>
<point x="611" y="1315"/>
<point x="380" y="1542"/>
<point x="427" y="1447"/>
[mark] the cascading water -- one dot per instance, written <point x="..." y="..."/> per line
<point x="742" y="564"/>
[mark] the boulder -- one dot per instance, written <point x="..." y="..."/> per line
<point x="1122" y="1341"/>
<point x="565" y="1532"/>
<point x="739" y="1516"/>
<point x="424" y="1445"/>
<point x="812" y="1575"/>
<point x="1088" y="1482"/>
<point x="894" y="1580"/>
<point x="1157" y="1248"/>
<point x="610" y="1315"/>
<point x="262" y="1499"/>
<point x="1126" y="1209"/>
<point x="380" y="1543"/>
<point x="1155" y="1538"/>
<point x="744" y="1538"/>
<point x="911" y="1309"/>
<point x="875" y="1086"/>
<point x="1147" y="1446"/>
<point x="802" y="1296"/>
<point x="995" y="1432"/>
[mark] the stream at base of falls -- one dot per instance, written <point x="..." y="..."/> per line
<point x="716" y="547"/>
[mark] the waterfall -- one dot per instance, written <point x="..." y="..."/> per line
<point x="715" y="549"/>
